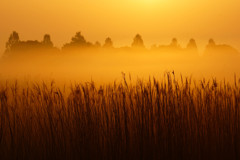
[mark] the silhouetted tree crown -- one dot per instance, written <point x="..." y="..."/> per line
<point x="192" y="44"/>
<point x="138" y="41"/>
<point x="13" y="40"/>
<point x="211" y="43"/>
<point x="213" y="48"/>
<point x="79" y="39"/>
<point x="108" y="42"/>
<point x="174" y="43"/>
<point x="14" y="44"/>
<point x="97" y="44"/>
<point x="47" y="41"/>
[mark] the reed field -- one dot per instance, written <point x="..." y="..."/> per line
<point x="167" y="118"/>
<point x="119" y="80"/>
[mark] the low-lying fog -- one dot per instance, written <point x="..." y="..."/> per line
<point x="107" y="65"/>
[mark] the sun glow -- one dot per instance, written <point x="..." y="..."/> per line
<point x="151" y="2"/>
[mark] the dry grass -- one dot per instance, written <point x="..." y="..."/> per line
<point x="157" y="119"/>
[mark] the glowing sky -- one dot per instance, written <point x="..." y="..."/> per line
<point x="158" y="21"/>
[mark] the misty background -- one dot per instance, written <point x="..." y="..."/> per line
<point x="81" y="60"/>
<point x="157" y="20"/>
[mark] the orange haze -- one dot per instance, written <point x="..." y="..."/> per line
<point x="156" y="20"/>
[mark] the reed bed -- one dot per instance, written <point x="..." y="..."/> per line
<point x="164" y="118"/>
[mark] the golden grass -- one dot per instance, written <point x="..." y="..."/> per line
<point x="157" y="119"/>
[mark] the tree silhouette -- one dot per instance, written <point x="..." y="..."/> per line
<point x="213" y="48"/>
<point x="14" y="45"/>
<point x="97" y="44"/>
<point x="108" y="43"/>
<point x="12" y="41"/>
<point x="78" y="39"/>
<point x="174" y="43"/>
<point x="77" y="42"/>
<point x="192" y="45"/>
<point x="47" y="41"/>
<point x="138" y="41"/>
<point x="211" y="43"/>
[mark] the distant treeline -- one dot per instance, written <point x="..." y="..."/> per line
<point x="78" y="42"/>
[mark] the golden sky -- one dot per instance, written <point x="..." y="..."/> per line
<point x="158" y="21"/>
